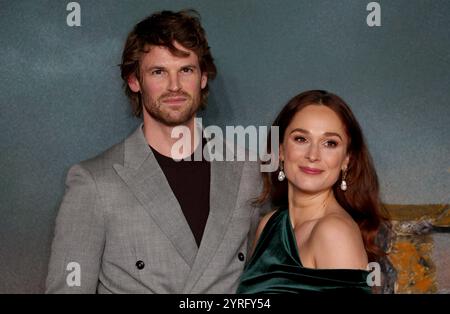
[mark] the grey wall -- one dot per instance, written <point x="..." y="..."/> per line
<point x="61" y="99"/>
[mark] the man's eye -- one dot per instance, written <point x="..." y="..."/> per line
<point x="157" y="72"/>
<point x="187" y="70"/>
<point x="331" y="144"/>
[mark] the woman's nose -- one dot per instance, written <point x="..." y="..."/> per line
<point x="313" y="153"/>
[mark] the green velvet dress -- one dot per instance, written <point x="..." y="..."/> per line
<point x="275" y="266"/>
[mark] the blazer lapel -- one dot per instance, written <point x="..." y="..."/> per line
<point x="225" y="178"/>
<point x="142" y="173"/>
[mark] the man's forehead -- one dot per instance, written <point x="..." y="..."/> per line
<point x="161" y="55"/>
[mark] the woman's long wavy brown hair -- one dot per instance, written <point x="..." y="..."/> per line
<point x="361" y="199"/>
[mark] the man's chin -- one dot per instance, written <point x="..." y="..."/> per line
<point x="174" y="118"/>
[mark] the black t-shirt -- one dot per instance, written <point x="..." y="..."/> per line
<point x="190" y="182"/>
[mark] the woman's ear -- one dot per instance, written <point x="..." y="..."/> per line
<point x="281" y="149"/>
<point x="346" y="162"/>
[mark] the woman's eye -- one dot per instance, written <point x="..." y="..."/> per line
<point x="300" y="139"/>
<point x="331" y="144"/>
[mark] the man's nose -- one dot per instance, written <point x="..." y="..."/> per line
<point x="174" y="82"/>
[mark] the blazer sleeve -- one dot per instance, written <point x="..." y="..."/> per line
<point x="79" y="237"/>
<point x="259" y="211"/>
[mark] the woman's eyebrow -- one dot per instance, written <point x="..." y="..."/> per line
<point x="307" y="132"/>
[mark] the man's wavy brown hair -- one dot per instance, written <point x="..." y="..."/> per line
<point x="163" y="29"/>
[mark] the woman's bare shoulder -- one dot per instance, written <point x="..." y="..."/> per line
<point x="338" y="243"/>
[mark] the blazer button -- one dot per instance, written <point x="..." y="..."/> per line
<point x="241" y="256"/>
<point x="140" y="265"/>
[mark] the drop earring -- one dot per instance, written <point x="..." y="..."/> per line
<point x="281" y="174"/>
<point x="343" y="182"/>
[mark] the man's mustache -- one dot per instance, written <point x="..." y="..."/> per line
<point x="177" y="94"/>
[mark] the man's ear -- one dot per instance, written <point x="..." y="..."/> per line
<point x="204" y="80"/>
<point x="133" y="83"/>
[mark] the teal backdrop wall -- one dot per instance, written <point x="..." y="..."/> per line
<point x="61" y="97"/>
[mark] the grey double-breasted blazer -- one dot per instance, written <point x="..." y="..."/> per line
<point x="121" y="223"/>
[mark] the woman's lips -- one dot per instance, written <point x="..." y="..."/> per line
<point x="311" y="170"/>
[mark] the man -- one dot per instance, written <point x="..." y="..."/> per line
<point x="133" y="220"/>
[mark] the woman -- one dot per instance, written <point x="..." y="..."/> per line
<point x="322" y="234"/>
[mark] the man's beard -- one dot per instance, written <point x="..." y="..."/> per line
<point x="171" y="116"/>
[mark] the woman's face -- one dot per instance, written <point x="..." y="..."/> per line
<point x="314" y="149"/>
